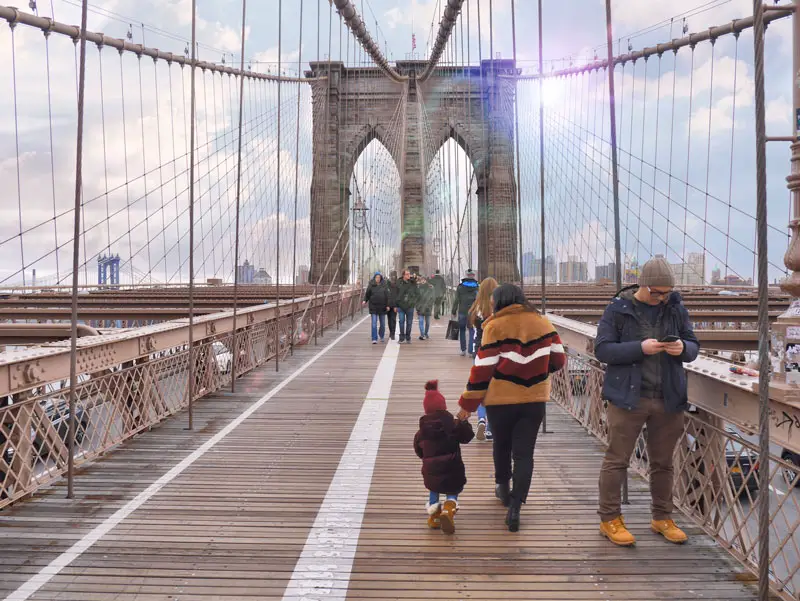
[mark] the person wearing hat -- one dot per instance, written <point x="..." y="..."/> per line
<point x="438" y="443"/>
<point x="644" y="338"/>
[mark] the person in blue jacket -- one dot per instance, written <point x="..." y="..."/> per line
<point x="644" y="338"/>
<point x="466" y="293"/>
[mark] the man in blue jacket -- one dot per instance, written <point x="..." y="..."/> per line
<point x="644" y="338"/>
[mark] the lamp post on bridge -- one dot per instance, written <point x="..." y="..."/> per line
<point x="785" y="336"/>
<point x="360" y="223"/>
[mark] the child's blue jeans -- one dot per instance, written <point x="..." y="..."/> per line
<point x="434" y="498"/>
<point x="482" y="415"/>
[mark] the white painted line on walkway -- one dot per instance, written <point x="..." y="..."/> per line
<point x="67" y="557"/>
<point x="324" y="568"/>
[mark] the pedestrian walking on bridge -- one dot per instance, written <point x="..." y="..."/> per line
<point x="391" y="286"/>
<point x="425" y="300"/>
<point x="377" y="297"/>
<point x="511" y="376"/>
<point x="440" y="292"/>
<point x="465" y="295"/>
<point x="406" y="303"/>
<point x="479" y="312"/>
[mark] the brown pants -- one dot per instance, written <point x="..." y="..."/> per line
<point x="663" y="431"/>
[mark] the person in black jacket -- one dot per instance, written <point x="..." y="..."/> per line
<point x="439" y="291"/>
<point x="377" y="296"/>
<point x="391" y="286"/>
<point x="406" y="302"/>
<point x="438" y="443"/>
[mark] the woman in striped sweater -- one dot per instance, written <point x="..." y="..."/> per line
<point x="511" y="377"/>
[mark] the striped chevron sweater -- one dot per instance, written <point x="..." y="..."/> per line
<point x="519" y="351"/>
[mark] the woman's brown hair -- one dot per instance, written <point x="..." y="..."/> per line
<point x="483" y="302"/>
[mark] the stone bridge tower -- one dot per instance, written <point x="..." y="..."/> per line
<point x="473" y="105"/>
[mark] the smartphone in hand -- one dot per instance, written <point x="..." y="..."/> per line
<point x="668" y="339"/>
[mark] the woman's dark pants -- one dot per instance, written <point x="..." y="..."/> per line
<point x="515" y="428"/>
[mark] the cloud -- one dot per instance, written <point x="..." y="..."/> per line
<point x="135" y="162"/>
<point x="779" y="115"/>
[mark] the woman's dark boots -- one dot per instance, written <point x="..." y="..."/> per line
<point x="503" y="492"/>
<point x="512" y="518"/>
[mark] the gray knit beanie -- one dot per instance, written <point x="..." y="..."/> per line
<point x="657" y="272"/>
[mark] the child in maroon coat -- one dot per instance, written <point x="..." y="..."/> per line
<point x="437" y="443"/>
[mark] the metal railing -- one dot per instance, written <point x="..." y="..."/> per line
<point x="130" y="381"/>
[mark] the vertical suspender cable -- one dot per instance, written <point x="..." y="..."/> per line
<point x="296" y="174"/>
<point x="615" y="176"/>
<point x="485" y="136"/>
<point x="541" y="163"/>
<point x="541" y="179"/>
<point x="492" y="91"/>
<point x="278" y="205"/>
<point x="234" y="346"/>
<point x="52" y="153"/>
<point x="73" y="355"/>
<point x="516" y="142"/>
<point x="763" y="302"/>
<point x="144" y="173"/>
<point x="614" y="166"/>
<point x="470" y="262"/>
<point x="16" y="142"/>
<point x="454" y="143"/>
<point x="192" y="102"/>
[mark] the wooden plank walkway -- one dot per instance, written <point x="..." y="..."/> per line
<point x="235" y="522"/>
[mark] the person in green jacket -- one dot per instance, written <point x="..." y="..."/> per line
<point x="426" y="295"/>
<point x="439" y="293"/>
<point x="406" y="302"/>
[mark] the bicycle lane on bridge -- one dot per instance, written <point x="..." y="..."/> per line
<point x="233" y="523"/>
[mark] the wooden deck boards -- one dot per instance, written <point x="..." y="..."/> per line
<point x="558" y="553"/>
<point x="233" y="525"/>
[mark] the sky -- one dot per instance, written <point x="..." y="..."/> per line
<point x="574" y="31"/>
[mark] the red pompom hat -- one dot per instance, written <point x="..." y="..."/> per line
<point x="434" y="401"/>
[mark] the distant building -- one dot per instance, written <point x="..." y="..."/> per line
<point x="302" y="276"/>
<point x="262" y="277"/>
<point x="532" y="268"/>
<point x="692" y="271"/>
<point x="716" y="275"/>
<point x="606" y="272"/>
<point x="735" y="280"/>
<point x="246" y="273"/>
<point x="573" y="271"/>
